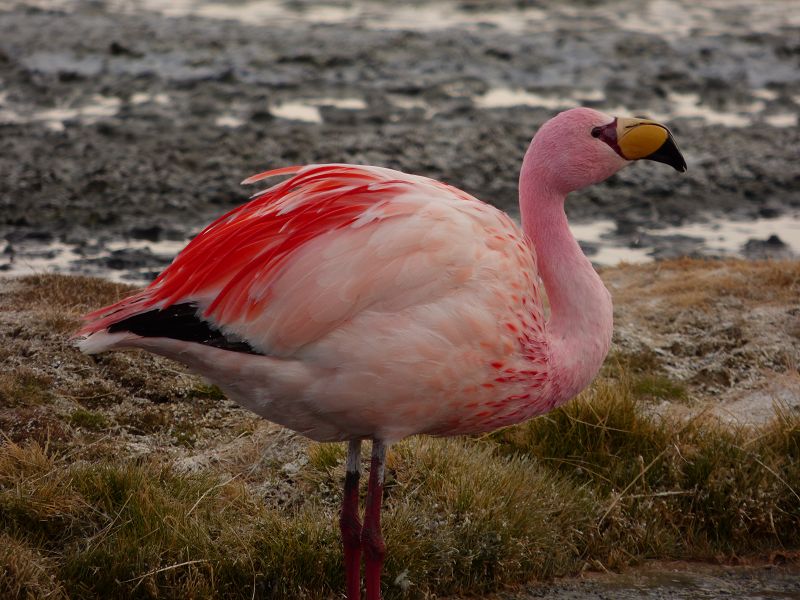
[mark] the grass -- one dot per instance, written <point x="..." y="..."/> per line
<point x="645" y="374"/>
<point x="24" y="387"/>
<point x="705" y="283"/>
<point x="598" y="482"/>
<point x="97" y="500"/>
<point x="460" y="517"/>
<point x="676" y="488"/>
<point x="88" y="419"/>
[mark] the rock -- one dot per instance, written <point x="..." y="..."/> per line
<point x="772" y="247"/>
<point x="128" y="259"/>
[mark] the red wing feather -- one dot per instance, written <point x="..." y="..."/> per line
<point x="253" y="241"/>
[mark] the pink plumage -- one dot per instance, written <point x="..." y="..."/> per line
<point x="354" y="302"/>
<point x="337" y="272"/>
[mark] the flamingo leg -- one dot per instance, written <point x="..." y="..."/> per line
<point x="350" y="523"/>
<point x="371" y="538"/>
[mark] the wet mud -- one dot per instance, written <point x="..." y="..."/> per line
<point x="134" y="122"/>
<point x="677" y="581"/>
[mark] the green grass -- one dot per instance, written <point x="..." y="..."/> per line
<point x="645" y="374"/>
<point x="206" y="391"/>
<point x="659" y="387"/>
<point x="598" y="482"/>
<point x="324" y="457"/>
<point x="673" y="488"/>
<point x="88" y="419"/>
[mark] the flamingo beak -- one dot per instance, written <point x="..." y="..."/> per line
<point x="640" y="138"/>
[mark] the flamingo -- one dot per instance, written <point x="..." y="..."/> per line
<point x="353" y="303"/>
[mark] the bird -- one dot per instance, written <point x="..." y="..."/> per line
<point x="356" y="303"/>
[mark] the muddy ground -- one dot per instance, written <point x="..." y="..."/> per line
<point x="677" y="581"/>
<point x="120" y="123"/>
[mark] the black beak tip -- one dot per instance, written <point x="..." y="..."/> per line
<point x="669" y="154"/>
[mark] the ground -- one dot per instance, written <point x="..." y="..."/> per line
<point x="125" y="129"/>
<point x="729" y="331"/>
<point x="710" y="340"/>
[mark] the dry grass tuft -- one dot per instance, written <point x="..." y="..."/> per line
<point x="464" y="519"/>
<point x="26" y="573"/>
<point x="324" y="457"/>
<point x="645" y="375"/>
<point x="24" y="387"/>
<point x="687" y="282"/>
<point x="88" y="419"/>
<point x="598" y="481"/>
<point x="122" y="529"/>
<point x="71" y="293"/>
<point x="459" y="518"/>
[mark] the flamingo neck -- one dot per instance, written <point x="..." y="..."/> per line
<point x="581" y="316"/>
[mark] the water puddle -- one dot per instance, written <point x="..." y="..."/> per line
<point x="33" y="258"/>
<point x="728" y="237"/>
<point x="145" y="98"/>
<point x="308" y="110"/>
<point x="674" y="19"/>
<point x="119" y="261"/>
<point x="765" y="94"/>
<point x="715" y="238"/>
<point x="507" y="97"/>
<point x="503" y="97"/>
<point x="371" y="15"/>
<point x="603" y="252"/>
<point x="97" y="108"/>
<point x="226" y="120"/>
<point x="680" y="105"/>
<point x="782" y="120"/>
<point x="690" y="105"/>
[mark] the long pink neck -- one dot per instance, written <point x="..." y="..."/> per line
<point x="581" y="314"/>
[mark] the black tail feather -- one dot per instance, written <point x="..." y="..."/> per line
<point x="180" y="322"/>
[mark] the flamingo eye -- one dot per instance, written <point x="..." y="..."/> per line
<point x="597" y="132"/>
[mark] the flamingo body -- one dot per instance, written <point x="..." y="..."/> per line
<point x="380" y="304"/>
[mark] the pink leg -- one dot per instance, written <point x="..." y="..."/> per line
<point x="371" y="538"/>
<point x="350" y="524"/>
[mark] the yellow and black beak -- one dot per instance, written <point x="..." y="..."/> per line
<point x="639" y="138"/>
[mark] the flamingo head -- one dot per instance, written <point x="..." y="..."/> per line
<point x="582" y="146"/>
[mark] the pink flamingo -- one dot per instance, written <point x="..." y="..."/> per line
<point x="354" y="302"/>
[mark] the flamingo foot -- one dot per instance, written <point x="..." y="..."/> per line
<point x="349" y="522"/>
<point x="371" y="538"/>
